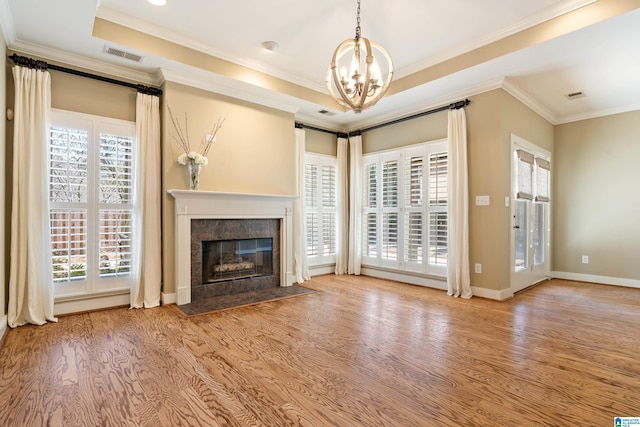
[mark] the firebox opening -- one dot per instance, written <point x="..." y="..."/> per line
<point x="224" y="260"/>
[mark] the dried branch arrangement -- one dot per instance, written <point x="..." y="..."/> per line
<point x="182" y="138"/>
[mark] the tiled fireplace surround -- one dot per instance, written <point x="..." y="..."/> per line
<point x="215" y="206"/>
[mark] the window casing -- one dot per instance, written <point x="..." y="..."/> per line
<point x="91" y="176"/>
<point x="321" y="208"/>
<point x="405" y="203"/>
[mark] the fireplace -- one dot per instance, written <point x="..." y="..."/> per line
<point x="216" y="225"/>
<point x="229" y="260"/>
<point x="231" y="256"/>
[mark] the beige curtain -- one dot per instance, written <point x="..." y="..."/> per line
<point x="458" y="281"/>
<point x="300" y="261"/>
<point x="30" y="270"/>
<point x="355" y="208"/>
<point x="147" y="269"/>
<point x="342" y="250"/>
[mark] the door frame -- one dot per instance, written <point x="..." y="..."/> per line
<point x="532" y="275"/>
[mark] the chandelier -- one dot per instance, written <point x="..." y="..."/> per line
<point x="364" y="85"/>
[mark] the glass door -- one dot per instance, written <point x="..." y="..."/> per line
<point x="530" y="212"/>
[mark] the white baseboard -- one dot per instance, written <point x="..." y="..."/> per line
<point x="169" y="298"/>
<point x="436" y="283"/>
<point x="78" y="304"/>
<point x="604" y="280"/>
<point x="3" y="326"/>
<point x="406" y="278"/>
<point x="493" y="294"/>
<point x="321" y="270"/>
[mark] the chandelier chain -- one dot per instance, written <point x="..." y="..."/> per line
<point x="358" y="22"/>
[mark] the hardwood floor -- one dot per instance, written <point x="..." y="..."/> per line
<point x="360" y="352"/>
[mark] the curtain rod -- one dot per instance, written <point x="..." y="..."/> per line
<point x="453" y="106"/>
<point x="338" y="134"/>
<point x="42" y="65"/>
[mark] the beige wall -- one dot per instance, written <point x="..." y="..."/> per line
<point x="422" y="129"/>
<point x="487" y="239"/>
<point x="4" y="124"/>
<point x="596" y="197"/>
<point x="83" y="95"/>
<point x="254" y="152"/>
<point x="492" y="118"/>
<point x="321" y="142"/>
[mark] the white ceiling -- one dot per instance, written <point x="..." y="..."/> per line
<point x="603" y="59"/>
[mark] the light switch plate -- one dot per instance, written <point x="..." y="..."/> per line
<point x="482" y="200"/>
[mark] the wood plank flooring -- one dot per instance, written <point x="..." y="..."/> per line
<point x="360" y="352"/>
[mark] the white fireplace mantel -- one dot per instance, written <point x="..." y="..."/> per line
<point x="218" y="205"/>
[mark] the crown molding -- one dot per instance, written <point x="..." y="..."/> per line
<point x="320" y="122"/>
<point x="522" y="96"/>
<point x="6" y="23"/>
<point x="546" y="15"/>
<point x="223" y="86"/>
<point x="597" y="114"/>
<point x="514" y="90"/>
<point x="50" y="54"/>
<point x="179" y="39"/>
<point x="418" y="107"/>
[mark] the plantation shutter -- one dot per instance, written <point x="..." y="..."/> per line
<point x="329" y="210"/>
<point x="369" y="205"/>
<point x="543" y="172"/>
<point x="116" y="205"/>
<point x="321" y="208"/>
<point x="413" y="218"/>
<point x="68" y="175"/>
<point x="91" y="182"/>
<point x="405" y="208"/>
<point x="390" y="210"/>
<point x="311" y="205"/>
<point x="524" y="175"/>
<point x="390" y="184"/>
<point x="438" y="203"/>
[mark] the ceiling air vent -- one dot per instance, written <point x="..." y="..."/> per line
<point x="575" y="95"/>
<point x="122" y="54"/>
<point x="326" y="113"/>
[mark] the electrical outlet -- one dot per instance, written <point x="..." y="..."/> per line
<point x="478" y="268"/>
<point x="585" y="259"/>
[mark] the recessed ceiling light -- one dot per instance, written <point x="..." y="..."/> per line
<point x="270" y="45"/>
<point x="158" y="2"/>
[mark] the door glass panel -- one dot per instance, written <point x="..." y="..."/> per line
<point x="520" y="235"/>
<point x="538" y="233"/>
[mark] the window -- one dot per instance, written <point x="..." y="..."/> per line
<point x="405" y="202"/>
<point x="91" y="166"/>
<point x="320" y="208"/>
